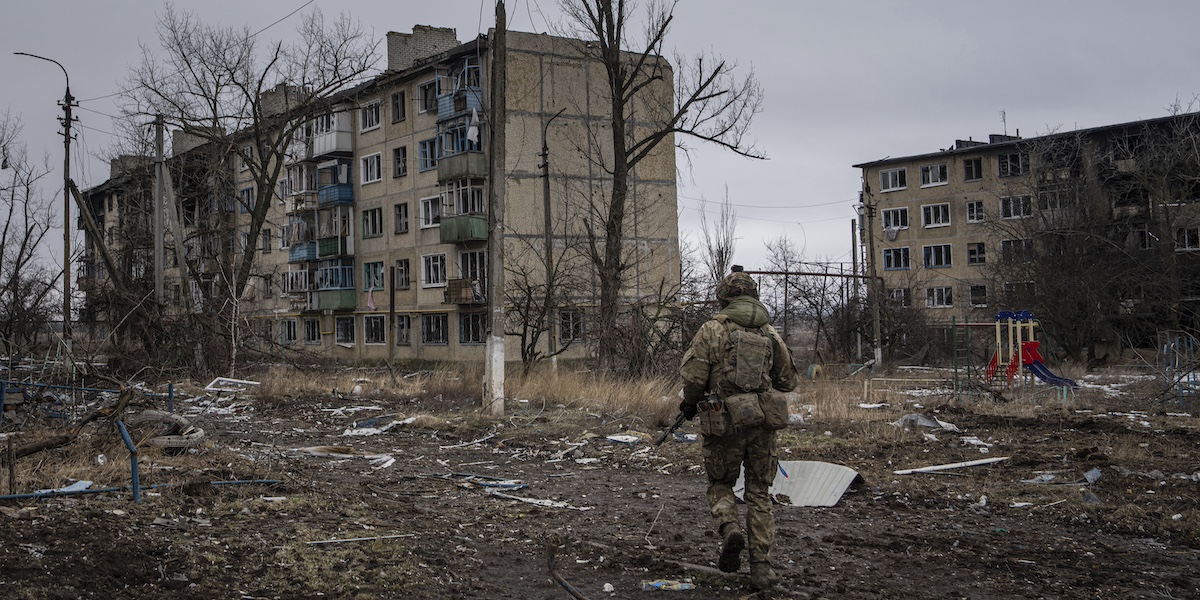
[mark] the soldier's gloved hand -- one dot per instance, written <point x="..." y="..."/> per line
<point x="689" y="410"/>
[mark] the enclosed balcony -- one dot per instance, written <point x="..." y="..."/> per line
<point x="335" y="278"/>
<point x="297" y="282"/>
<point x="465" y="291"/>
<point x="333" y="246"/>
<point x="463" y="228"/>
<point x="302" y="251"/>
<point x="464" y="165"/>
<point x="338" y="194"/>
<point x="460" y="102"/>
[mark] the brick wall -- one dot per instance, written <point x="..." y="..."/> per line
<point x="405" y="49"/>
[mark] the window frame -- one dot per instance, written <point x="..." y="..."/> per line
<point x="891" y="180"/>
<point x="429" y="217"/>
<point x="904" y="295"/>
<point x="1016" y="251"/>
<point x="928" y="173"/>
<point x="889" y="216"/>
<point x="312" y="325"/>
<point x="433" y="265"/>
<point x="371" y="167"/>
<point x="369" y="117"/>
<point x="1004" y="164"/>
<point x="976" y="253"/>
<point x="572" y="326"/>
<point x="1187" y="239"/>
<point x="946" y="299"/>
<point x="374" y="330"/>
<point x="372" y="222"/>
<point x="441" y="319"/>
<point x="427" y="154"/>
<point x="976" y="211"/>
<point x="373" y="276"/>
<point x="472" y="328"/>
<point x="973" y="169"/>
<point x="403" y="330"/>
<point x="928" y="215"/>
<point x="399" y="161"/>
<point x="343" y="334"/>
<point x="398" y="106"/>
<point x="400" y="218"/>
<point x="937" y="256"/>
<point x="1022" y="201"/>
<point x="287" y="331"/>
<point x="896" y="259"/>
<point x="403" y="273"/>
<point x="973" y="299"/>
<point x="427" y="102"/>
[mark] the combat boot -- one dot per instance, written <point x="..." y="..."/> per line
<point x="762" y="576"/>
<point x="731" y="549"/>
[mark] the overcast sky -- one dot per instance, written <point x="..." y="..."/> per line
<point x="845" y="82"/>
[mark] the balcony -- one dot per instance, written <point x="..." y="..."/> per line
<point x="302" y="201"/>
<point x="463" y="228"/>
<point x="335" y="278"/>
<point x="302" y="252"/>
<point x="297" y="282"/>
<point x="464" y="291"/>
<point x="460" y="103"/>
<point x="333" y="246"/>
<point x="339" y="194"/>
<point x="465" y="165"/>
<point x="335" y="300"/>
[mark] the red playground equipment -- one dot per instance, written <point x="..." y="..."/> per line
<point x="1015" y="347"/>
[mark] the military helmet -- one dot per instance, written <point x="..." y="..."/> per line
<point x="736" y="284"/>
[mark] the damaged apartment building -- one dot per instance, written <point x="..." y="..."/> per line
<point x="1097" y="231"/>
<point x="375" y="243"/>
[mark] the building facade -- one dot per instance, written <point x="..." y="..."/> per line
<point x="376" y="244"/>
<point x="1094" y="230"/>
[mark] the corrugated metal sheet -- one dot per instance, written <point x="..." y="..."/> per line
<point x="807" y="483"/>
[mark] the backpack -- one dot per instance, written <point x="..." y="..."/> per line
<point x="747" y="357"/>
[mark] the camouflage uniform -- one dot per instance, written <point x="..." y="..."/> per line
<point x="724" y="455"/>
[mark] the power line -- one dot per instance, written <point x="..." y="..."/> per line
<point x="770" y="206"/>
<point x="302" y="6"/>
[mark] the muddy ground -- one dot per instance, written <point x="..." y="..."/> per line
<point x="623" y="513"/>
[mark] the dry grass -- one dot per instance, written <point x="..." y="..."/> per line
<point x="653" y="400"/>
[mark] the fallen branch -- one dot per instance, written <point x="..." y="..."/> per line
<point x="550" y="546"/>
<point x="470" y="443"/>
<point x="362" y="539"/>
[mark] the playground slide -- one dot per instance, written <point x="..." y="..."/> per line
<point x="1039" y="369"/>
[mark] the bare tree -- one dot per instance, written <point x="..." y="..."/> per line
<point x="718" y="239"/>
<point x="26" y="285"/>
<point x="710" y="103"/>
<point x="241" y="99"/>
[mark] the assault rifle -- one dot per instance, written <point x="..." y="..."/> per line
<point x="678" y="422"/>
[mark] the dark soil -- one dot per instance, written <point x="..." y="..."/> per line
<point x="636" y="513"/>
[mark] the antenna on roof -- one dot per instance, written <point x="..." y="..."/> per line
<point x="1004" y="119"/>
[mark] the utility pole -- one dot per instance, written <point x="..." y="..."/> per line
<point x="854" y="287"/>
<point x="493" y="397"/>
<point x="159" y="185"/>
<point x="68" y="102"/>
<point x="875" y="290"/>
<point x="549" y="308"/>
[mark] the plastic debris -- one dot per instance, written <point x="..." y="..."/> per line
<point x="540" y="502"/>
<point x="668" y="584"/>
<point x="871" y="405"/>
<point x="925" y="421"/>
<point x="1092" y="476"/>
<point x="225" y="384"/>
<point x="958" y="465"/>
<point x="1042" y="479"/>
<point x="806" y="483"/>
<point x="624" y="439"/>
<point x="608" y="588"/>
<point x="78" y="486"/>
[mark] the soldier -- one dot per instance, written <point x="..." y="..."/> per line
<point x="717" y="388"/>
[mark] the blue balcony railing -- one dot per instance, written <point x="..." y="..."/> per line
<point x="302" y="251"/>
<point x="335" y="195"/>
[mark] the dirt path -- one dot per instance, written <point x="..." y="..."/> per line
<point x="624" y="513"/>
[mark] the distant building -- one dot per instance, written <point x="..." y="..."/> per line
<point x="1095" y="230"/>
<point x="381" y="216"/>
